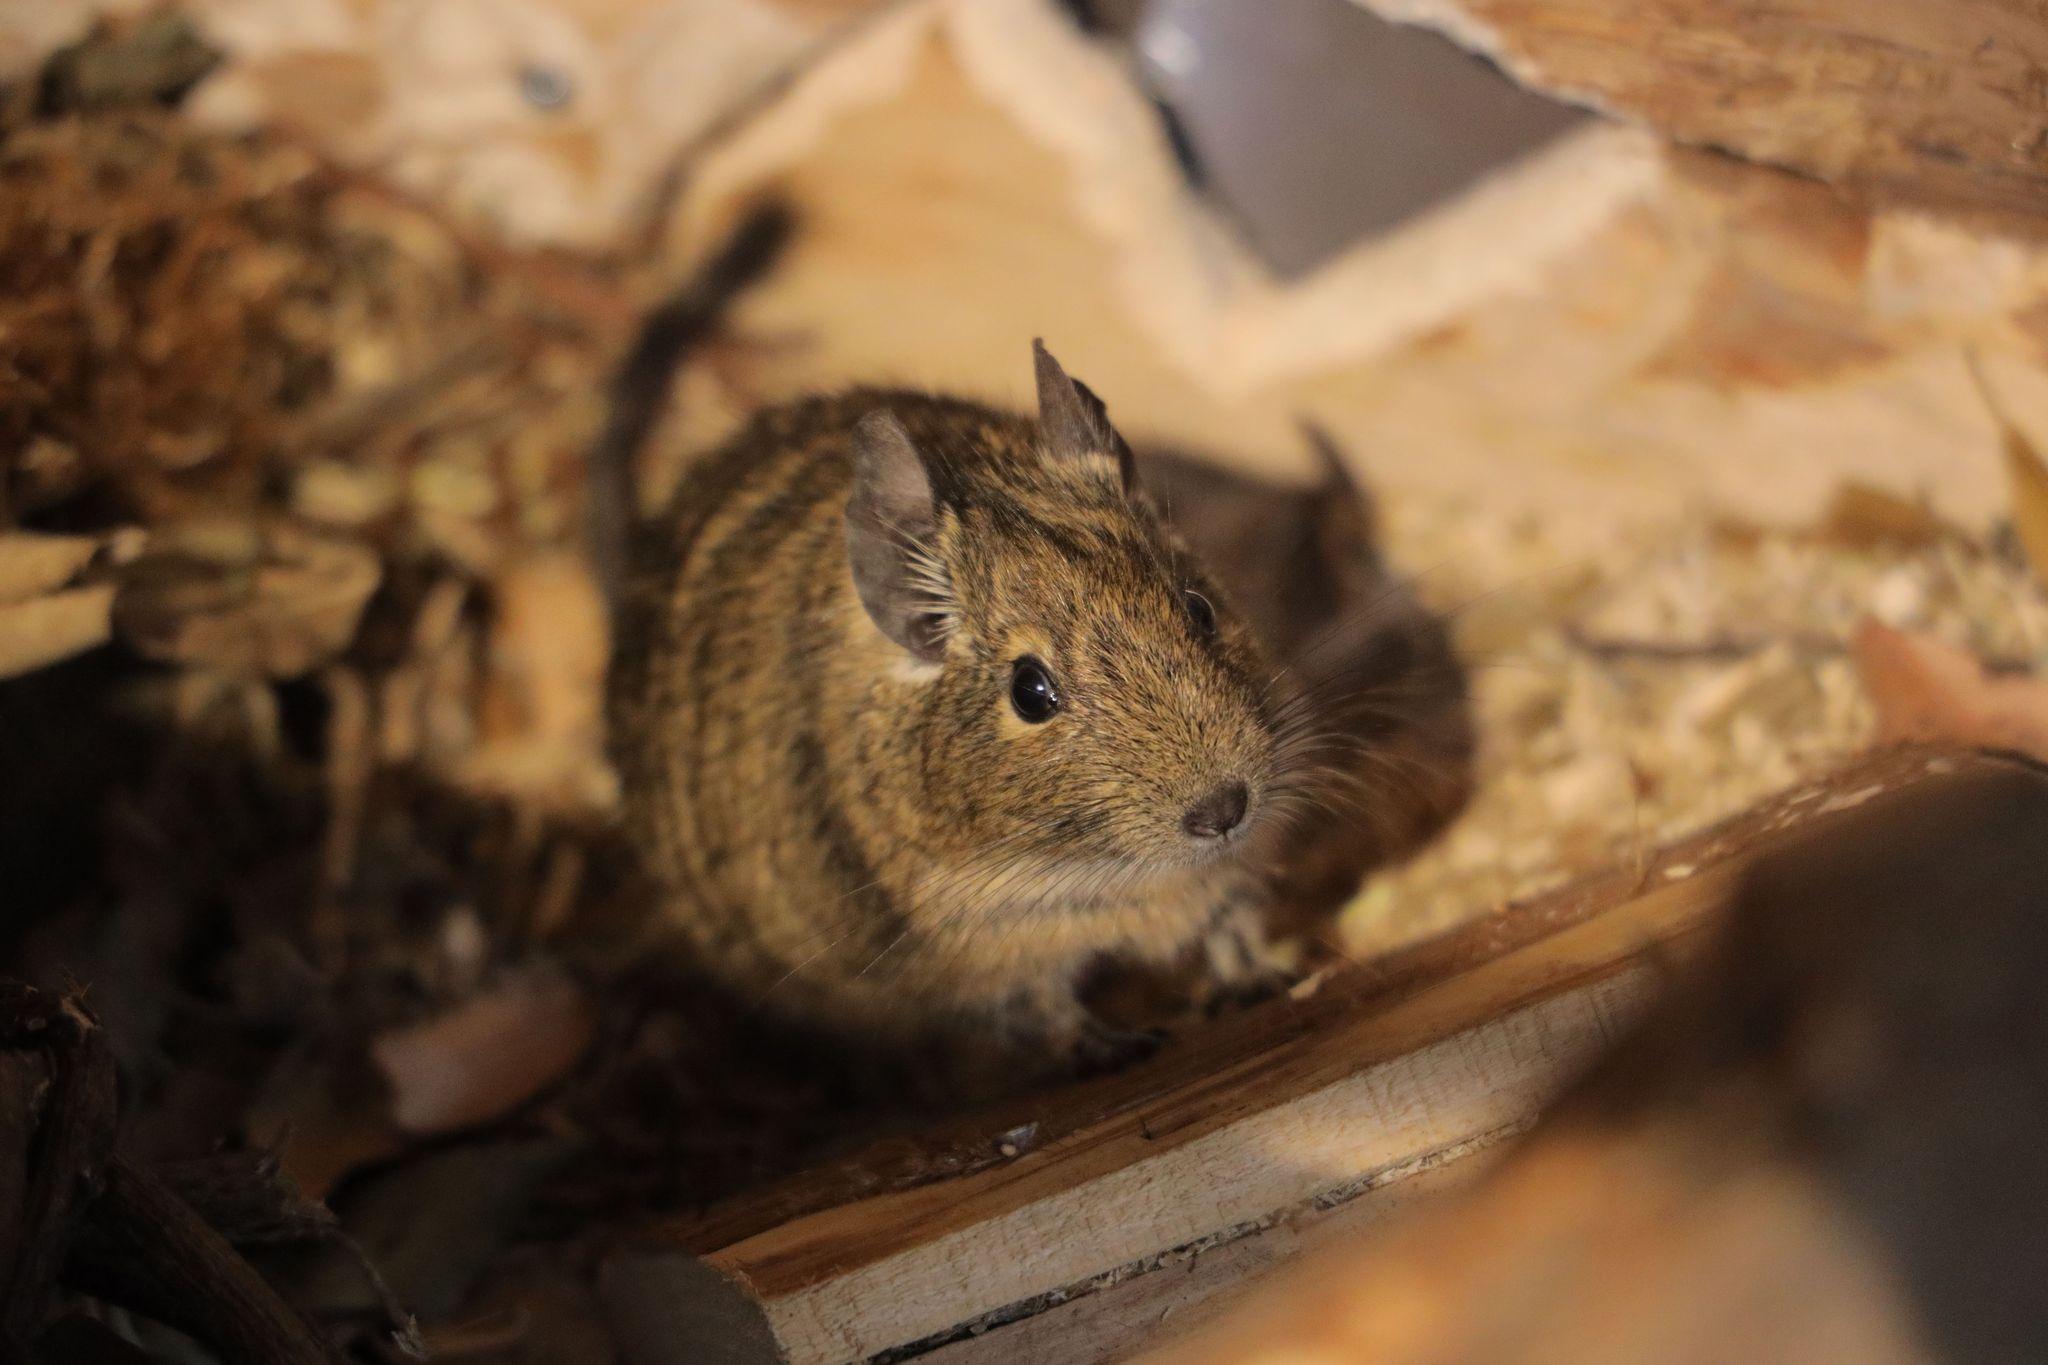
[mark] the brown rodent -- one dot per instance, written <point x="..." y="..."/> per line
<point x="921" y="711"/>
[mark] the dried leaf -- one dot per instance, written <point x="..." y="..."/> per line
<point x="1927" y="689"/>
<point x="1862" y="516"/>
<point x="277" y="601"/>
<point x="2029" y="478"/>
<point x="322" y="1126"/>
<point x="150" y="58"/>
<point x="2027" y="474"/>
<point x="440" y="1220"/>
<point x="487" y="1056"/>
<point x="541" y="721"/>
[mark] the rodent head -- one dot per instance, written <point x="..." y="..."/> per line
<point x="1087" y="696"/>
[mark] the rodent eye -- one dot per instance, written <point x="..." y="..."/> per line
<point x="1033" y="693"/>
<point x="1200" y="611"/>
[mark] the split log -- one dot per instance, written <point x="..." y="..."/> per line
<point x="57" y="1105"/>
<point x="1386" y="1071"/>
<point x="144" y="1248"/>
<point x="1936" y="105"/>
<point x="1608" y="334"/>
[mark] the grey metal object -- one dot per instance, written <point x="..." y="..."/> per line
<point x="1314" y="123"/>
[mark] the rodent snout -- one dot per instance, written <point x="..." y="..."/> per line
<point x="1218" y="813"/>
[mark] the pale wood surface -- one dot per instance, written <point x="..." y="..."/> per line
<point x="1474" y="1081"/>
<point x="1611" y="334"/>
<point x="1185" y="1292"/>
<point x="43" y="630"/>
<point x="45" y="613"/>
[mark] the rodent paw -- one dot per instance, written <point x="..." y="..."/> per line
<point x="1224" y="997"/>
<point x="1101" y="1048"/>
<point x="1243" y="965"/>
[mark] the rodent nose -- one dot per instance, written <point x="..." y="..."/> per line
<point x="1218" y="813"/>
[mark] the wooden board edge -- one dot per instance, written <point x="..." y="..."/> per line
<point x="957" y="1148"/>
<point x="1127" y="1310"/>
<point x="1494" y="1075"/>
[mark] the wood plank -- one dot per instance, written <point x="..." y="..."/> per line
<point x="1932" y="104"/>
<point x="1172" y="1297"/>
<point x="1252" y="1118"/>
<point x="824" y="1306"/>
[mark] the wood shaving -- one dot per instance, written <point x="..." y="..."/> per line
<point x="1689" y="674"/>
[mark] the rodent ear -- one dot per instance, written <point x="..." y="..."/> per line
<point x="1072" y="420"/>
<point x="891" y="527"/>
<point x="1345" y="514"/>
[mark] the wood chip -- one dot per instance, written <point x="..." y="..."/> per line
<point x="1926" y="689"/>
<point x="279" y="602"/>
<point x="2029" y="478"/>
<point x="31" y="565"/>
<point x="487" y="1056"/>
<point x="44" y="630"/>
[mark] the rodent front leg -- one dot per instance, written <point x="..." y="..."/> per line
<point x="1102" y="1047"/>
<point x="1051" y="1019"/>
<point x="1243" y="963"/>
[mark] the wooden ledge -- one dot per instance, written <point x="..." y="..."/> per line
<point x="1284" y="1112"/>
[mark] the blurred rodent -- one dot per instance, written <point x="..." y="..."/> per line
<point x="922" y="710"/>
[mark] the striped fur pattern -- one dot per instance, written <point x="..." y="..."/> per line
<point x="858" y="827"/>
<point x="877" y="842"/>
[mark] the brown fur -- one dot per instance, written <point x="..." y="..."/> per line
<point x="881" y="845"/>
<point x="812" y="718"/>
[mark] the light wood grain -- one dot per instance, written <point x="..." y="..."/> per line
<point x="1177" y="1296"/>
<point x="1479" y="1079"/>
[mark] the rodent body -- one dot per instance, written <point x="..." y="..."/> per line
<point x="823" y="748"/>
<point x="826" y="654"/>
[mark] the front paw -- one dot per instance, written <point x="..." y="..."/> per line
<point x="1244" y="966"/>
<point x="1101" y="1048"/>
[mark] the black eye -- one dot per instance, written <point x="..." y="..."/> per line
<point x="1032" y="691"/>
<point x="1200" y="611"/>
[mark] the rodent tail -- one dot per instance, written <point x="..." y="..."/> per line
<point x="640" y="388"/>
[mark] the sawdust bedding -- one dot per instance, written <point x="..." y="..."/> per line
<point x="1689" y="673"/>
